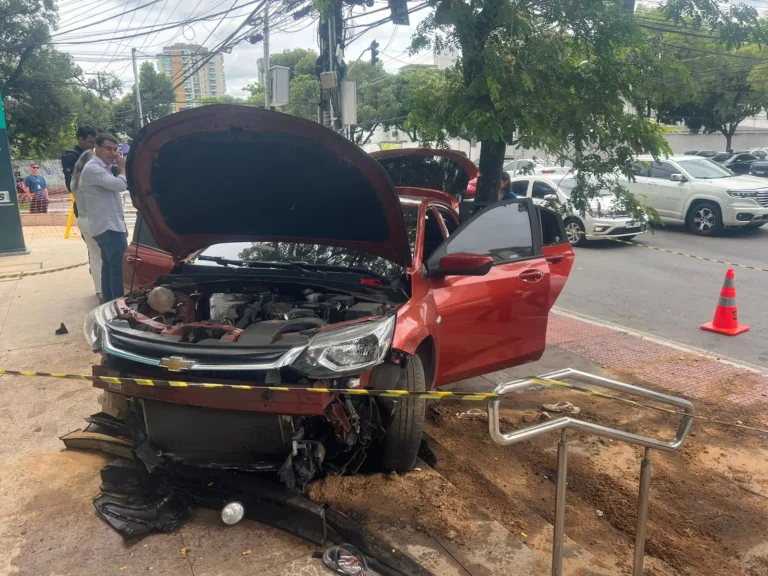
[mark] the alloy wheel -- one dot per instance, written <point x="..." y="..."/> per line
<point x="704" y="219"/>
<point x="573" y="232"/>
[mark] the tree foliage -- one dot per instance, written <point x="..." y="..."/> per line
<point x="157" y="100"/>
<point x="703" y="80"/>
<point x="554" y="76"/>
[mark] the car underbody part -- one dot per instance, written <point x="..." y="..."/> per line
<point x="346" y="560"/>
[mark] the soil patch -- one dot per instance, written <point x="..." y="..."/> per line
<point x="708" y="509"/>
<point x="420" y="499"/>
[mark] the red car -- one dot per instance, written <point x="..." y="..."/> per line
<point x="329" y="277"/>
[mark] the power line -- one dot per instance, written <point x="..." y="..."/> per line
<point x="132" y="10"/>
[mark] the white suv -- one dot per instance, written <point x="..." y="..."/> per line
<point x="707" y="196"/>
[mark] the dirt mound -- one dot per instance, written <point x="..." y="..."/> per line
<point x="420" y="499"/>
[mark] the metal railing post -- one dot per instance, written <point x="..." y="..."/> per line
<point x="562" y="483"/>
<point x="642" y="513"/>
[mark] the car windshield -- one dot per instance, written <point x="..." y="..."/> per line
<point x="704" y="169"/>
<point x="568" y="184"/>
<point x="309" y="255"/>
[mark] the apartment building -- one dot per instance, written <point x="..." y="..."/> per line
<point x="183" y="62"/>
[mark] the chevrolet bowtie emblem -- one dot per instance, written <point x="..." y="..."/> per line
<point x="175" y="363"/>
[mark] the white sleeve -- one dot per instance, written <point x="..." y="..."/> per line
<point x="95" y="176"/>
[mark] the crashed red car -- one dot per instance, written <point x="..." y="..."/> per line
<point x="296" y="263"/>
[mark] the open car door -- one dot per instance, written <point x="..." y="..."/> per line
<point x="498" y="320"/>
<point x="448" y="171"/>
<point x="557" y="251"/>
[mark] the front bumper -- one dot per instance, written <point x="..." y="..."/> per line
<point x="615" y="227"/>
<point x="744" y="213"/>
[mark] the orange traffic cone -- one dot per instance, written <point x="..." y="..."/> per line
<point x="726" y="320"/>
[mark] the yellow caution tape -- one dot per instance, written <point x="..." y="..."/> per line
<point x="19" y="275"/>
<point x="431" y="395"/>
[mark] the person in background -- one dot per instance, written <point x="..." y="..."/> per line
<point x="86" y="138"/>
<point x="94" y="252"/>
<point x="505" y="188"/>
<point x="101" y="190"/>
<point x="37" y="186"/>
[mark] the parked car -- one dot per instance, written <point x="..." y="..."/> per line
<point x="601" y="220"/>
<point x="331" y="278"/>
<point x="739" y="163"/>
<point x="759" y="168"/>
<point x="761" y="153"/>
<point x="707" y="196"/>
<point x="704" y="153"/>
<point x="721" y="157"/>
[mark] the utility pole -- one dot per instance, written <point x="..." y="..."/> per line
<point x="267" y="75"/>
<point x="137" y="88"/>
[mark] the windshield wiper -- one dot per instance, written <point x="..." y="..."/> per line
<point x="244" y="264"/>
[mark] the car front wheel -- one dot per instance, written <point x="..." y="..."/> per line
<point x="399" y="448"/>
<point x="575" y="232"/>
<point x="705" y="219"/>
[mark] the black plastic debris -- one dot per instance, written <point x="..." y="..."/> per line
<point x="61" y="330"/>
<point x="136" y="516"/>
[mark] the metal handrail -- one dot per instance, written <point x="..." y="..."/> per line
<point x="564" y="423"/>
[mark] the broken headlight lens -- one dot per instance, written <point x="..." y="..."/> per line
<point x="348" y="350"/>
<point x="95" y="324"/>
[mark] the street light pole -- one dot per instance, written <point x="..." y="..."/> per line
<point x="267" y="75"/>
<point x="137" y="88"/>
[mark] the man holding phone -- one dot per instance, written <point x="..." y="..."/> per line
<point x="101" y="189"/>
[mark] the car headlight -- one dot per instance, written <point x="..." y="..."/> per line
<point x="95" y="324"/>
<point x="348" y="350"/>
<point x="742" y="193"/>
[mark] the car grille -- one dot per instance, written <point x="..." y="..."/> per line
<point x="762" y="197"/>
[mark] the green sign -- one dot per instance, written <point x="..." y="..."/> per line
<point x="11" y="237"/>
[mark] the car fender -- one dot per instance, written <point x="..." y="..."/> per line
<point x="697" y="196"/>
<point x="417" y="320"/>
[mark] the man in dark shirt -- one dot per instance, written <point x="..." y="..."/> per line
<point x="86" y="140"/>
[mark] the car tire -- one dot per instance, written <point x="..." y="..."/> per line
<point x="575" y="232"/>
<point x="398" y="450"/>
<point x="705" y="219"/>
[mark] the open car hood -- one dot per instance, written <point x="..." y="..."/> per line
<point x="228" y="173"/>
<point x="448" y="171"/>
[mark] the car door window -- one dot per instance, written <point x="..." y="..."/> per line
<point x="663" y="170"/>
<point x="451" y="224"/>
<point x="433" y="234"/>
<point x="504" y="231"/>
<point x="142" y="236"/>
<point x="552" y="227"/>
<point x="520" y="188"/>
<point x="641" y="169"/>
<point x="541" y="190"/>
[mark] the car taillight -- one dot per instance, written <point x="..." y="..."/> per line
<point x="548" y="171"/>
<point x="370" y="281"/>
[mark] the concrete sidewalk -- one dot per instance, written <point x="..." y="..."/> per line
<point x="47" y="522"/>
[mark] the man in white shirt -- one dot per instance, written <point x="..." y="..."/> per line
<point x="102" y="190"/>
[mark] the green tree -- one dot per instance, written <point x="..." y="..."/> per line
<point x="701" y="81"/>
<point x="556" y="77"/>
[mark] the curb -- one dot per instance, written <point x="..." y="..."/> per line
<point x="754" y="368"/>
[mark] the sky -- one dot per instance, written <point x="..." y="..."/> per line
<point x="91" y="31"/>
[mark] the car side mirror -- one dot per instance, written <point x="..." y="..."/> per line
<point x="678" y="178"/>
<point x="550" y="197"/>
<point x="462" y="264"/>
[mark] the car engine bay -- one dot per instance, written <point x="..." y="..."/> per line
<point x="252" y="316"/>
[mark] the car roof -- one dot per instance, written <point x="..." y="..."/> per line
<point x="649" y="158"/>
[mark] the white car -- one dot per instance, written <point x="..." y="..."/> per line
<point x="601" y="220"/>
<point x="705" y="195"/>
<point x="531" y="166"/>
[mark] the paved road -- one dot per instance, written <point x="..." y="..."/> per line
<point x="669" y="295"/>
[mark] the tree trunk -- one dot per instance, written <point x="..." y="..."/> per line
<point x="728" y="138"/>
<point x="491" y="160"/>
